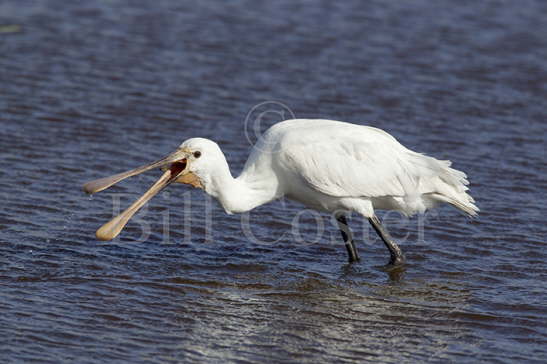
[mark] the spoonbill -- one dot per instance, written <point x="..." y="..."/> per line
<point x="326" y="165"/>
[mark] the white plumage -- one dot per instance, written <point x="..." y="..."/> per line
<point x="331" y="165"/>
<point x="326" y="165"/>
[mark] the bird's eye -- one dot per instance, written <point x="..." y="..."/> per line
<point x="197" y="154"/>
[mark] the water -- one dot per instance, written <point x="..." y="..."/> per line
<point x="93" y="89"/>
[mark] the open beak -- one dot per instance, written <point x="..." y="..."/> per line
<point x="176" y="169"/>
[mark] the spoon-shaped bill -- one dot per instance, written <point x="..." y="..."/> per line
<point x="112" y="228"/>
<point x="103" y="183"/>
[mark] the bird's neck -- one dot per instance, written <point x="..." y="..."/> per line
<point x="243" y="193"/>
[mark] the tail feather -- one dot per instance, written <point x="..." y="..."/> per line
<point x="466" y="206"/>
<point x="438" y="182"/>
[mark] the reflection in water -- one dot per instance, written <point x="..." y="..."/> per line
<point x="396" y="274"/>
<point x="412" y="318"/>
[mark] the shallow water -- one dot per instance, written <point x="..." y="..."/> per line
<point x="90" y="90"/>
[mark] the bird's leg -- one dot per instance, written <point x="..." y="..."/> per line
<point x="348" y="238"/>
<point x="397" y="256"/>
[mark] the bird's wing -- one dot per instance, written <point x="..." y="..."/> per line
<point x="351" y="167"/>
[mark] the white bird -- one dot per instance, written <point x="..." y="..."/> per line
<point x="326" y="165"/>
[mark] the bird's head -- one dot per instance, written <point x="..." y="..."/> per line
<point x="195" y="162"/>
<point x="204" y="159"/>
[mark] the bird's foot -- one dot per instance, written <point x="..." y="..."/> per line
<point x="395" y="268"/>
<point x="353" y="259"/>
<point x="396" y="261"/>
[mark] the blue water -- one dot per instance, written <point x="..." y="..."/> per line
<point x="88" y="90"/>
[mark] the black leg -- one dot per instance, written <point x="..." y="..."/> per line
<point x="397" y="256"/>
<point x="348" y="239"/>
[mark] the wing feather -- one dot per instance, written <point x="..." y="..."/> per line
<point x="350" y="166"/>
